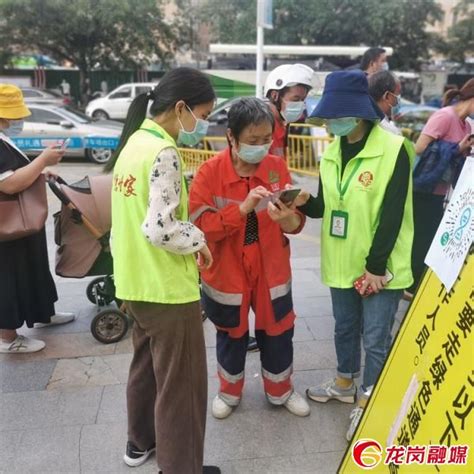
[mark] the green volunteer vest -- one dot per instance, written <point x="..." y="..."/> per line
<point x="143" y="272"/>
<point x="344" y="260"/>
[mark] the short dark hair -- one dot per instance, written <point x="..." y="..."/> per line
<point x="381" y="82"/>
<point x="248" y="111"/>
<point x="369" y="56"/>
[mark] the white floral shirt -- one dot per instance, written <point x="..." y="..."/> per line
<point x="160" y="227"/>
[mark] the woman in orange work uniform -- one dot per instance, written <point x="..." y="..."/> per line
<point x="230" y="200"/>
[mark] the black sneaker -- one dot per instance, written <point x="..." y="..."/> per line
<point x="133" y="457"/>
<point x="210" y="470"/>
<point x="253" y="346"/>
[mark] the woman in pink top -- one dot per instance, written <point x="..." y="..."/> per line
<point x="448" y="124"/>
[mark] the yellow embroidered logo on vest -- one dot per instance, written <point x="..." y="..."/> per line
<point x="366" y="178"/>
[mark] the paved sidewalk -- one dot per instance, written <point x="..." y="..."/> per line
<point x="62" y="410"/>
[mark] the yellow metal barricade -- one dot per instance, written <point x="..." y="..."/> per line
<point x="304" y="152"/>
<point x="193" y="158"/>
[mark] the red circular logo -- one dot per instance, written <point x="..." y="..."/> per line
<point x="366" y="178"/>
<point x="367" y="453"/>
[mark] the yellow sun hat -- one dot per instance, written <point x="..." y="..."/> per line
<point x="12" y="105"/>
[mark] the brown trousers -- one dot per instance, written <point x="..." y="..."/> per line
<point x="167" y="384"/>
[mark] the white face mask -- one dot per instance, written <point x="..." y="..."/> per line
<point x="293" y="111"/>
<point x="342" y="127"/>
<point x="15" y="128"/>
<point x="194" y="136"/>
<point x="253" y="154"/>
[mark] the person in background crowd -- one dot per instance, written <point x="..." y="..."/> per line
<point x="374" y="60"/>
<point x="448" y="124"/>
<point x="27" y="289"/>
<point x="86" y="92"/>
<point x="448" y="99"/>
<point x="365" y="200"/>
<point x="155" y="249"/>
<point x="230" y="202"/>
<point x="104" y="88"/>
<point x="65" y="87"/>
<point x="385" y="89"/>
<point x="286" y="88"/>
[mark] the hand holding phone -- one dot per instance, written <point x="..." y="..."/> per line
<point x="466" y="143"/>
<point x="287" y="196"/>
<point x="360" y="284"/>
<point x="65" y="143"/>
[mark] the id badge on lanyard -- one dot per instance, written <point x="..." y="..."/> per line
<point x="340" y="218"/>
<point x="339" y="221"/>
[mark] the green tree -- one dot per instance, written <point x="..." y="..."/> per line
<point x="460" y="41"/>
<point x="89" y="33"/>
<point x="400" y="24"/>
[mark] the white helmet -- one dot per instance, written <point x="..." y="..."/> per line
<point x="288" y="75"/>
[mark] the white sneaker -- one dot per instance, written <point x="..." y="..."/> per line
<point x="21" y="345"/>
<point x="297" y="405"/>
<point x="220" y="409"/>
<point x="355" y="417"/>
<point x="58" y="318"/>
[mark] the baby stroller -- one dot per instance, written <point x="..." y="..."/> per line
<point x="82" y="231"/>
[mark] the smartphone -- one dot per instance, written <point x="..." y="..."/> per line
<point x="288" y="196"/>
<point x="359" y="282"/>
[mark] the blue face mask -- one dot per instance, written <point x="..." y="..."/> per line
<point x="396" y="108"/>
<point x="196" y="135"/>
<point x="293" y="111"/>
<point x="15" y="128"/>
<point x="253" y="154"/>
<point x="341" y="126"/>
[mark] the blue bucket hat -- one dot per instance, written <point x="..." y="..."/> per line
<point x="346" y="94"/>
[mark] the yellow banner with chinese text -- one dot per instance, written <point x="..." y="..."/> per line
<point x="420" y="416"/>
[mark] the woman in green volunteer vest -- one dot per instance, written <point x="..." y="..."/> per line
<point x="365" y="200"/>
<point x="157" y="252"/>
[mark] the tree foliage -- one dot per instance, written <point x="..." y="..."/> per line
<point x="88" y="33"/>
<point x="460" y="42"/>
<point x="400" y="24"/>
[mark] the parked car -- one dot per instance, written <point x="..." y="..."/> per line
<point x="115" y="104"/>
<point x="412" y="118"/>
<point x="50" y="124"/>
<point x="218" y="125"/>
<point x="45" y="96"/>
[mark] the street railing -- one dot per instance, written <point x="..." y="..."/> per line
<point x="193" y="158"/>
<point x="304" y="152"/>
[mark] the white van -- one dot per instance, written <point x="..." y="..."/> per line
<point x="116" y="103"/>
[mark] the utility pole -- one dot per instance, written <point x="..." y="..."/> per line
<point x="264" y="20"/>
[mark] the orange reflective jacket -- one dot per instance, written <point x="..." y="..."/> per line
<point x="216" y="193"/>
